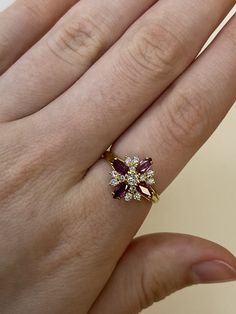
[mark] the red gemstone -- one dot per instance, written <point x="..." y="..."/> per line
<point x="120" y="166"/>
<point x="120" y="191"/>
<point x="144" y="190"/>
<point x="144" y="165"/>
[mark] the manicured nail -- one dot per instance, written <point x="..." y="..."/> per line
<point x="213" y="272"/>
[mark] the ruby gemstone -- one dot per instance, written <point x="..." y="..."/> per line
<point x="120" y="166"/>
<point x="144" y="190"/>
<point x="144" y="165"/>
<point x="120" y="191"/>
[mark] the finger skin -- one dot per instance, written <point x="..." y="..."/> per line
<point x="65" y="54"/>
<point x="157" y="265"/>
<point x="125" y="81"/>
<point x="24" y="23"/>
<point x="179" y="123"/>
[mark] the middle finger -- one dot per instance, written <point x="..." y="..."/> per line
<point x="129" y="77"/>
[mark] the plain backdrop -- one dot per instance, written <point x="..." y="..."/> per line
<point x="201" y="201"/>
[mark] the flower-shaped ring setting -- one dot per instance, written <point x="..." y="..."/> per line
<point x="132" y="178"/>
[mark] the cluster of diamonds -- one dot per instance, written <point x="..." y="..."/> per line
<point x="132" y="178"/>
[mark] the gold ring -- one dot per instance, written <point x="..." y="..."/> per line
<point x="132" y="178"/>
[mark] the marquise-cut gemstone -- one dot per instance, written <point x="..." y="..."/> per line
<point x="144" y="165"/>
<point x="120" y="166"/>
<point x="144" y="190"/>
<point x="120" y="191"/>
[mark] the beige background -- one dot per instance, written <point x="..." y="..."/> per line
<point x="201" y="201"/>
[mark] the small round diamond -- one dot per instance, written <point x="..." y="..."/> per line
<point x="150" y="181"/>
<point x="150" y="173"/>
<point x="132" y="189"/>
<point x="128" y="161"/>
<point x="114" y="182"/>
<point x="142" y="177"/>
<point x="128" y="197"/>
<point x="132" y="169"/>
<point x="135" y="160"/>
<point x="137" y="196"/>
<point x="132" y="179"/>
<point x="114" y="173"/>
<point x="121" y="178"/>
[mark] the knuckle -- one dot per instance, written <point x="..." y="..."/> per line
<point x="4" y="58"/>
<point x="34" y="9"/>
<point x="147" y="294"/>
<point x="149" y="286"/>
<point x="79" y="42"/>
<point x="153" y="289"/>
<point x="18" y="175"/>
<point x="155" y="49"/>
<point x="29" y="168"/>
<point x="186" y="118"/>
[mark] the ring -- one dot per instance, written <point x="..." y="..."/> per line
<point x="132" y="178"/>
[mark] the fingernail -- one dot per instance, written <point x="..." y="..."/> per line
<point x="213" y="272"/>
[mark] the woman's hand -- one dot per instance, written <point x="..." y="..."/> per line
<point x="108" y="71"/>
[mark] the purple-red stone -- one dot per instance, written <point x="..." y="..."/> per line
<point x="144" y="165"/>
<point x="120" y="166"/>
<point x="120" y="191"/>
<point x="144" y="190"/>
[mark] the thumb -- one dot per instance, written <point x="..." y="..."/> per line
<point x="157" y="265"/>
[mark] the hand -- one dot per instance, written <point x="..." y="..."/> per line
<point x="107" y="72"/>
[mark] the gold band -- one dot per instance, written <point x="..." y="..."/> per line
<point x="108" y="156"/>
<point x="147" y="191"/>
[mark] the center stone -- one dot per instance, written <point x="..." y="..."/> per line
<point x="132" y="179"/>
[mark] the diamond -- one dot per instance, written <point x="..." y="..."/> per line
<point x="128" y="197"/>
<point x="135" y="160"/>
<point x="150" y="181"/>
<point x="132" y="179"/>
<point x="150" y="173"/>
<point x="114" y="182"/>
<point x="137" y="196"/>
<point x="121" y="178"/>
<point x="142" y="177"/>
<point x="114" y="173"/>
<point x="132" y="169"/>
<point x="132" y="189"/>
<point x="128" y="161"/>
